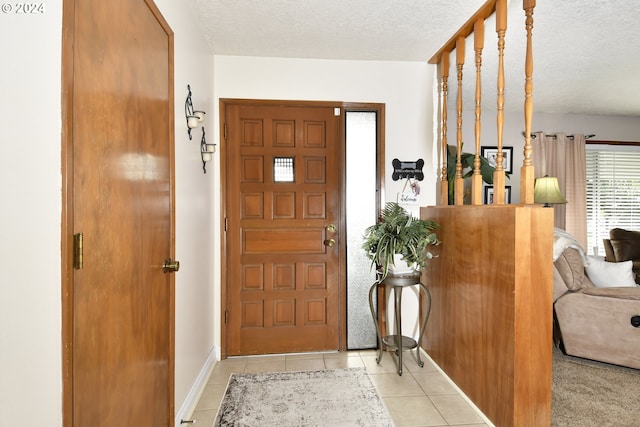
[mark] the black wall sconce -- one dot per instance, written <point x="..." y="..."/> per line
<point x="206" y="151"/>
<point x="194" y="117"/>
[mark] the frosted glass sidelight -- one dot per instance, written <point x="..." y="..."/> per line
<point x="361" y="141"/>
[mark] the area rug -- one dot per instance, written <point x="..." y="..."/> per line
<point x="340" y="397"/>
<point x="588" y="393"/>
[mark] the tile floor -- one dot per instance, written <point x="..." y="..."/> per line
<point x="420" y="397"/>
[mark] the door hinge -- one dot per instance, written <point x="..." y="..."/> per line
<point x="226" y="317"/>
<point x="78" y="261"/>
<point x="226" y="224"/>
<point x="225" y="131"/>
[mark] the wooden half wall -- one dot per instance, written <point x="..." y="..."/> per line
<point x="490" y="327"/>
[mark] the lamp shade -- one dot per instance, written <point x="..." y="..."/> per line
<point x="547" y="191"/>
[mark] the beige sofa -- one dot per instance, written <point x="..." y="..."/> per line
<point x="594" y="322"/>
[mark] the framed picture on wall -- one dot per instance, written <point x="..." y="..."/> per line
<point x="491" y="154"/>
<point x="488" y="194"/>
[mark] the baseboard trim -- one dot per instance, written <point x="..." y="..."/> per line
<point x="190" y="402"/>
<point x="454" y="385"/>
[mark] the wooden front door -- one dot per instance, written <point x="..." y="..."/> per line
<point x="284" y="227"/>
<point x="118" y="307"/>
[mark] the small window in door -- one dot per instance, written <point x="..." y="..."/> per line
<point x="283" y="169"/>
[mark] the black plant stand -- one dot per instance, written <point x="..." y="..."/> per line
<point x="397" y="342"/>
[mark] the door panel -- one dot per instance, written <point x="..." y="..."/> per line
<point x="122" y="189"/>
<point x="265" y="241"/>
<point x="284" y="215"/>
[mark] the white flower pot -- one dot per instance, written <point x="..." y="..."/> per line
<point x="400" y="266"/>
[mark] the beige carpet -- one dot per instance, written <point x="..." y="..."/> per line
<point x="588" y="393"/>
<point x="340" y="397"/>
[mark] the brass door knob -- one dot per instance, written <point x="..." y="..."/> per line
<point x="329" y="242"/>
<point x="170" y="265"/>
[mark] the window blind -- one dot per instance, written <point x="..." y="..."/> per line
<point x="613" y="193"/>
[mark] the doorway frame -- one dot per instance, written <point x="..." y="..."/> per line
<point x="379" y="109"/>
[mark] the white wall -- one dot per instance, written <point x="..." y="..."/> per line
<point x="605" y="128"/>
<point x="404" y="87"/>
<point x="195" y="229"/>
<point x="30" y="320"/>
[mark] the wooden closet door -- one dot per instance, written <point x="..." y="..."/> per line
<point x="120" y="170"/>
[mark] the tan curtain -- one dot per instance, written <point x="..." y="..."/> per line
<point x="565" y="158"/>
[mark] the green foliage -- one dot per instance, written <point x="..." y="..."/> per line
<point x="467" y="169"/>
<point x="397" y="232"/>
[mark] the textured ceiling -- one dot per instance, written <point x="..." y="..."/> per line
<point x="586" y="54"/>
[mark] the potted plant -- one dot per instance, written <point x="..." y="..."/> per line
<point x="467" y="160"/>
<point x="398" y="238"/>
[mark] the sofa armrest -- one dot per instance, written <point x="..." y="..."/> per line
<point x="570" y="269"/>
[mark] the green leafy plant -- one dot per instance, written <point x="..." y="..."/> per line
<point x="486" y="170"/>
<point x="398" y="232"/>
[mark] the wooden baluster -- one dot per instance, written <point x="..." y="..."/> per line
<point x="444" y="184"/>
<point x="459" y="182"/>
<point x="476" y="178"/>
<point x="499" y="175"/>
<point x="527" y="169"/>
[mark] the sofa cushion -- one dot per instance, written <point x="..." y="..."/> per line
<point x="571" y="269"/>
<point x="609" y="255"/>
<point x="622" y="234"/>
<point x="627" y="293"/>
<point x="605" y="274"/>
<point x="626" y="249"/>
